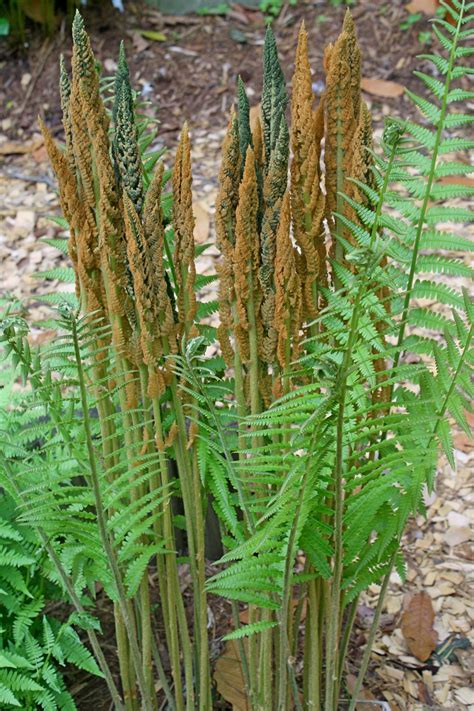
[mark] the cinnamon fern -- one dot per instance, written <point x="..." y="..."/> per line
<point x="314" y="431"/>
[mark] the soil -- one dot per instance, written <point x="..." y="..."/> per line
<point x="190" y="75"/>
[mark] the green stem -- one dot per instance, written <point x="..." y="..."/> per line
<point x="346" y="639"/>
<point x="312" y="662"/>
<point x="102" y="527"/>
<point x="253" y="348"/>
<point x="254" y="409"/>
<point x="370" y="639"/>
<point x="169" y="587"/>
<point x="192" y="501"/>
<point x="123" y="657"/>
<point x="332" y="642"/>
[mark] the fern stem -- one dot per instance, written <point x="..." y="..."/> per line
<point x="373" y="631"/>
<point x="102" y="527"/>
<point x="123" y="658"/>
<point x="332" y="642"/>
<point x="287" y="587"/>
<point x="170" y="595"/>
<point x="349" y="624"/>
<point x="253" y="348"/>
<point x="99" y="655"/>
<point x="169" y="587"/>
<point x="312" y="654"/>
<point x="254" y="409"/>
<point x="192" y="500"/>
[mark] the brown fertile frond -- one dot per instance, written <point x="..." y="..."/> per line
<point x="288" y="299"/>
<point x="257" y="139"/>
<point x="81" y="147"/>
<point x="341" y="123"/>
<point x="83" y="233"/>
<point x="183" y="221"/>
<point x="146" y="292"/>
<point x="154" y="237"/>
<point x="344" y="118"/>
<point x="92" y="154"/>
<point x="274" y="188"/>
<point x="84" y="70"/>
<point x="307" y="198"/>
<point x="92" y="148"/>
<point x="354" y="60"/>
<point x="226" y="204"/>
<point x="67" y="188"/>
<point x="229" y="179"/>
<point x="246" y="253"/>
<point x="65" y="95"/>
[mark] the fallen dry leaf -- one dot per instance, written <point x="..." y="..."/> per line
<point x="364" y="694"/>
<point x="202" y="223"/>
<point x="457" y="534"/>
<point x="229" y="677"/>
<point x="463" y="442"/>
<point x="417" y="626"/>
<point x="465" y="695"/>
<point x="457" y="180"/>
<point x="428" y="7"/>
<point x="381" y="87"/>
<point x="16" y="147"/>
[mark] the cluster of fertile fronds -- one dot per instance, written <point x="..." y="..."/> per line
<point x="343" y="121"/>
<point x="319" y="439"/>
<point x="135" y="286"/>
<point x="366" y="443"/>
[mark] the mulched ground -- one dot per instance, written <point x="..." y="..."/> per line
<point x="191" y="75"/>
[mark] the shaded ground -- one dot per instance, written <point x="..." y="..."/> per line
<point x="191" y="75"/>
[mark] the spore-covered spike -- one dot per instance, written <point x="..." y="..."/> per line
<point x="183" y="222"/>
<point x="288" y="301"/>
<point x="274" y="96"/>
<point x="274" y="188"/>
<point x="122" y="75"/>
<point x="125" y="143"/>
<point x="307" y="198"/>
<point x="354" y="60"/>
<point x="243" y="115"/>
<point x="85" y="63"/>
<point x="65" y="96"/>
<point x="229" y="178"/>
<point x="226" y="205"/>
<point x="246" y="254"/>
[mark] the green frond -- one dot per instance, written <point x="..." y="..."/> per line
<point x="251" y="629"/>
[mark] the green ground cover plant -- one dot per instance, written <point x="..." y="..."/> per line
<point x="35" y="644"/>
<point x="312" y="433"/>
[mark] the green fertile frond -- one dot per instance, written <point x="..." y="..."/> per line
<point x="243" y="119"/>
<point x="274" y="97"/>
<point x="126" y="151"/>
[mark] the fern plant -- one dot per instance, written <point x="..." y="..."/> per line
<point x="315" y="431"/>
<point x="34" y="645"/>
